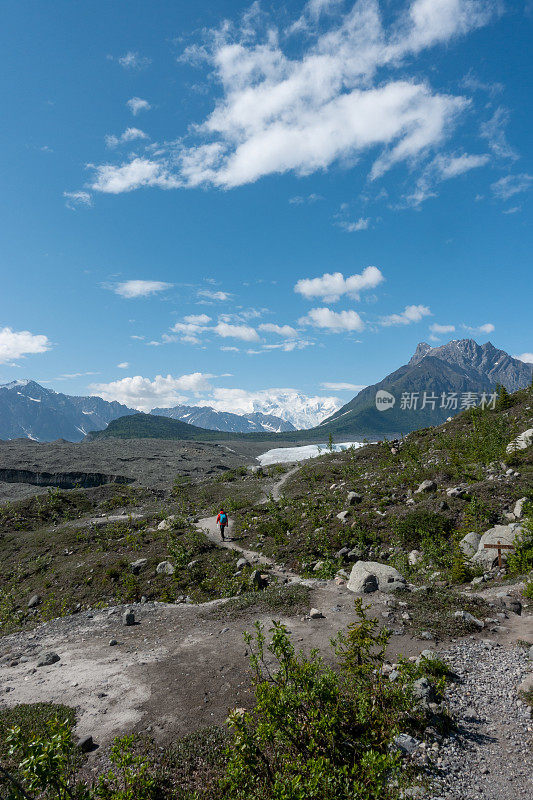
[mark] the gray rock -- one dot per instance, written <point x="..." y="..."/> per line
<point x="258" y="581"/>
<point x="165" y="568"/>
<point x="34" y="601"/>
<point x="354" y="498"/>
<point x="137" y="566"/>
<point x="506" y="534"/>
<point x="426" y="486"/>
<point x="343" y="516"/>
<point x="521" y="442"/>
<point x="241" y="563"/>
<point x="113" y="642"/>
<point x="355" y="554"/>
<point x="166" y="524"/>
<point x="369" y="576"/>
<point x="128" y="617"/>
<point x="456" y="491"/>
<point x="316" y="614"/>
<point x="48" y="659"/>
<point x="519" y="507"/>
<point x="406" y="744"/>
<point x="467" y="617"/>
<point x="414" y="557"/>
<point x="423" y="690"/>
<point x="86" y="744"/>
<point x="469" y="544"/>
<point x="318" y="566"/>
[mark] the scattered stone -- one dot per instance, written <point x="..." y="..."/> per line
<point x="467" y="617"/>
<point x="86" y="744"/>
<point x="48" y="659"/>
<point x="369" y="576"/>
<point x="354" y="498"/>
<point x="519" y="507"/>
<point x="316" y="614"/>
<point x="241" y="563"/>
<point x="521" y="442"/>
<point x="456" y="491"/>
<point x="137" y="566"/>
<point x="34" y="601"/>
<point x="165" y="568"/>
<point x="406" y="744"/>
<point x="128" y="618"/>
<point x="166" y="524"/>
<point x="426" y="486"/>
<point x="318" y="566"/>
<point x="414" y="557"/>
<point x="258" y="581"/>
<point x="343" y="516"/>
<point x="113" y="642"/>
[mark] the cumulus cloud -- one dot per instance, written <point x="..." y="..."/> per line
<point x="144" y="394"/>
<point x="526" y="357"/>
<point x="123" y="365"/>
<point x="330" y="287"/>
<point x="135" y="174"/>
<point x="436" y="328"/>
<point x="407" y="316"/>
<point x="280" y="330"/>
<point x="333" y="102"/>
<point x="137" y="104"/>
<point x="74" y="200"/>
<point x="361" y="224"/>
<point x="129" y="135"/>
<point x="334" y="321"/>
<point x="243" y="332"/>
<point x="17" y="344"/>
<point x="197" y="319"/>
<point x="131" y="289"/>
<point x="511" y="184"/>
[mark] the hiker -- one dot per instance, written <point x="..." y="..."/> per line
<point x="222" y="520"/>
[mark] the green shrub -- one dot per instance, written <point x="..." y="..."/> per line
<point x="422" y="529"/>
<point x="521" y="559"/>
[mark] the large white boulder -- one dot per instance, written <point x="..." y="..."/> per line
<point x="369" y="576"/>
<point x="469" y="544"/>
<point x="506" y="534"/>
<point x="522" y="441"/>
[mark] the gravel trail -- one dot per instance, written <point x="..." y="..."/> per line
<point x="490" y="756"/>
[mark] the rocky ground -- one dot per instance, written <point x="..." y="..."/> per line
<point x="152" y="463"/>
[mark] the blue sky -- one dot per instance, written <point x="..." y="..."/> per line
<point x="240" y="197"/>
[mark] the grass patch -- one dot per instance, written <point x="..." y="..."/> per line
<point x="434" y="611"/>
<point x="280" y="598"/>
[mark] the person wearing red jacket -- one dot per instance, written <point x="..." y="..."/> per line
<point x="222" y="521"/>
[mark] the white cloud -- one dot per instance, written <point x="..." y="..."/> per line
<point x="408" y="315"/>
<point x="210" y="294"/>
<point x="129" y="135"/>
<point x="133" y="60"/>
<point x="229" y="349"/>
<point x="361" y="224"/>
<point x="335" y="321"/>
<point x="137" y="104"/>
<point x="343" y="387"/>
<point x="243" y="332"/>
<point x="526" y="357"/>
<point x="131" y="289"/>
<point x="76" y="199"/>
<point x="452" y="166"/>
<point x="299" y="200"/>
<point x="197" y="319"/>
<point x="144" y="394"/>
<point x="436" y="328"/>
<point x="330" y="287"/>
<point x="135" y="174"/>
<point x="494" y="132"/>
<point x="281" y="330"/>
<point x="443" y="167"/>
<point x="17" y="344"/>
<point x="488" y="327"/>
<point x="123" y="365"/>
<point x="511" y="184"/>
<point x="281" y="113"/>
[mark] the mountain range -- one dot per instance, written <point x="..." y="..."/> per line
<point x="419" y="394"/>
<point x="436" y="383"/>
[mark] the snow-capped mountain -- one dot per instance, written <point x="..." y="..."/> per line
<point x="290" y="405"/>
<point x="207" y="417"/>
<point x="28" y="410"/>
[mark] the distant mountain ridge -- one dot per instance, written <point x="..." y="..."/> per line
<point x="210" y="418"/>
<point x="30" y="411"/>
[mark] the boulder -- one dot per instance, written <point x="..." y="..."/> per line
<point x="316" y="614"/>
<point x="467" y="617"/>
<point x="137" y="566"/>
<point x="369" y="576"/>
<point x="343" y="516"/>
<point x="128" y="618"/>
<point x="456" y="491"/>
<point x="521" y="442"/>
<point x="165" y="568"/>
<point x="241" y="563"/>
<point x="426" y="486"/>
<point x="519" y="507"/>
<point x="48" y="659"/>
<point x="405" y="743"/>
<point x="469" y="544"/>
<point x="166" y="524"/>
<point x="258" y="581"/>
<point x="34" y="601"/>
<point x="506" y="534"/>
<point x="354" y="498"/>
